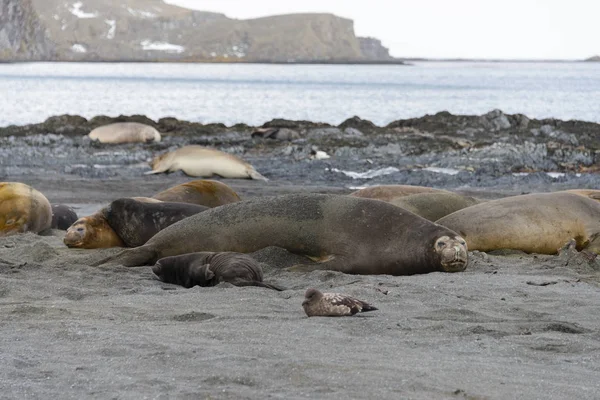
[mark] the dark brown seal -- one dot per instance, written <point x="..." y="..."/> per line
<point x="135" y="222"/>
<point x="317" y="304"/>
<point x="347" y="234"/>
<point x="63" y="216"/>
<point x="210" y="269"/>
<point x="204" y="192"/>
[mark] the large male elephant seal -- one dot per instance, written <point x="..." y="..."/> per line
<point x="203" y="192"/>
<point x="434" y="205"/>
<point x="590" y="193"/>
<point x="347" y="234"/>
<point x="391" y="192"/>
<point x="210" y="269"/>
<point x="125" y="132"/>
<point x="135" y="222"/>
<point x="534" y="223"/>
<point x="23" y="209"/>
<point x="63" y="216"/>
<point x="200" y="161"/>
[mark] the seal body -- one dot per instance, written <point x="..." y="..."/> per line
<point x="135" y="222"/>
<point x="434" y="205"/>
<point x="23" y="209"/>
<point x="210" y="269"/>
<point x="125" y="132"/>
<point x="203" y="192"/>
<point x="92" y="232"/>
<point x="347" y="234"/>
<point x="534" y="223"/>
<point x="391" y="192"/>
<point x="201" y="161"/>
<point x="63" y="216"/>
<point x="317" y="304"/>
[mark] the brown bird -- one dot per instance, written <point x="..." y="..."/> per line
<point x="317" y="304"/>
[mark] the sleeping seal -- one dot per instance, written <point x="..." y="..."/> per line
<point x="347" y="234"/>
<point x="23" y="209"/>
<point x="210" y="269"/>
<point x="125" y="132"/>
<point x="391" y="192"/>
<point x="196" y="160"/>
<point x="204" y="192"/>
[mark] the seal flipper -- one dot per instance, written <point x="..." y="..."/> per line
<point x="242" y="283"/>
<point x="254" y="174"/>
<point x="143" y="255"/>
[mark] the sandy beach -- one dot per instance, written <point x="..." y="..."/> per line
<point x="512" y="325"/>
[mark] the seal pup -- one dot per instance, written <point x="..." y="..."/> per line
<point x="23" y="209"/>
<point x="210" y="269"/>
<point x="63" y="216"/>
<point x="125" y="132"/>
<point x="391" y="192"/>
<point x="317" y="304"/>
<point x="344" y="233"/>
<point x="201" y="161"/>
<point x="534" y="223"/>
<point x="203" y="192"/>
<point x="135" y="221"/>
<point x="434" y="205"/>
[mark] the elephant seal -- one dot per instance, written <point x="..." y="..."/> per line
<point x="203" y="192"/>
<point x="23" y="209"/>
<point x="63" y="217"/>
<point x="210" y="269"/>
<point x="135" y="222"/>
<point x="590" y="193"/>
<point x="94" y="232"/>
<point x="201" y="161"/>
<point x="391" y="192"/>
<point x="125" y="132"/>
<point x="434" y="205"/>
<point x="534" y="223"/>
<point x="317" y="304"/>
<point x="347" y="234"/>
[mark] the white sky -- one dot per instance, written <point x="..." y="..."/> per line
<point x="500" y="29"/>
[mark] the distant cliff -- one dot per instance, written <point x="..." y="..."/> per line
<point x="22" y="36"/>
<point x="150" y="30"/>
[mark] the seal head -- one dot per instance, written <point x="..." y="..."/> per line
<point x="452" y="252"/>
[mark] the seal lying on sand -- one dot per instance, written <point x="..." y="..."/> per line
<point x="391" y="192"/>
<point x="23" y="209"/>
<point x="203" y="192"/>
<point x="135" y="222"/>
<point x="125" y="132"/>
<point x="434" y="205"/>
<point x="210" y="269"/>
<point x="201" y="161"/>
<point x="590" y="193"/>
<point x="317" y="304"/>
<point x="534" y="223"/>
<point x="63" y="216"/>
<point x="94" y="232"/>
<point x="347" y="234"/>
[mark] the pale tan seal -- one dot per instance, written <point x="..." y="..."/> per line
<point x="125" y="132"/>
<point x="434" y="205"/>
<point x="317" y="304"/>
<point x="201" y="161"/>
<point x="534" y="223"/>
<point x="23" y="209"/>
<point x="590" y="193"/>
<point x="203" y="192"/>
<point x="391" y="192"/>
<point x="344" y="233"/>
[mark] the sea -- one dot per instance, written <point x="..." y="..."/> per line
<point x="256" y="93"/>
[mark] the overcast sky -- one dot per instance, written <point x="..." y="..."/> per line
<point x="506" y="29"/>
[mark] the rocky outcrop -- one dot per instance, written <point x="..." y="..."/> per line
<point x="594" y="58"/>
<point x="151" y="30"/>
<point x="22" y="36"/>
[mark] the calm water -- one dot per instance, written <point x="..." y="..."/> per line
<point x="328" y="93"/>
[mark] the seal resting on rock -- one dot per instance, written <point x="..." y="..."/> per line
<point x="434" y="205"/>
<point x="135" y="222"/>
<point x="534" y="223"/>
<point x="203" y="192"/>
<point x="210" y="269"/>
<point x="63" y="217"/>
<point x="201" y="161"/>
<point x="317" y="304"/>
<point x="23" y="209"/>
<point x="125" y="132"/>
<point x="391" y="192"/>
<point x="346" y="234"/>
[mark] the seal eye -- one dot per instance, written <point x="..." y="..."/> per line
<point x="80" y="230"/>
<point x="441" y="244"/>
<point x="10" y="221"/>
